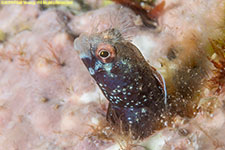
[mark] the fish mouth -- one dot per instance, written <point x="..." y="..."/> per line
<point x="82" y="46"/>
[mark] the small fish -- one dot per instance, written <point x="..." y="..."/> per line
<point x="136" y="91"/>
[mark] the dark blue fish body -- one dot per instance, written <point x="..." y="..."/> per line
<point x="135" y="90"/>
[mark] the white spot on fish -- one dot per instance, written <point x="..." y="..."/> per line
<point x="91" y="70"/>
<point x="143" y="110"/>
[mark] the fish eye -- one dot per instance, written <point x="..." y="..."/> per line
<point x="105" y="52"/>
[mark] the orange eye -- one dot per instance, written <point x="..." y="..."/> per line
<point x="105" y="52"/>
